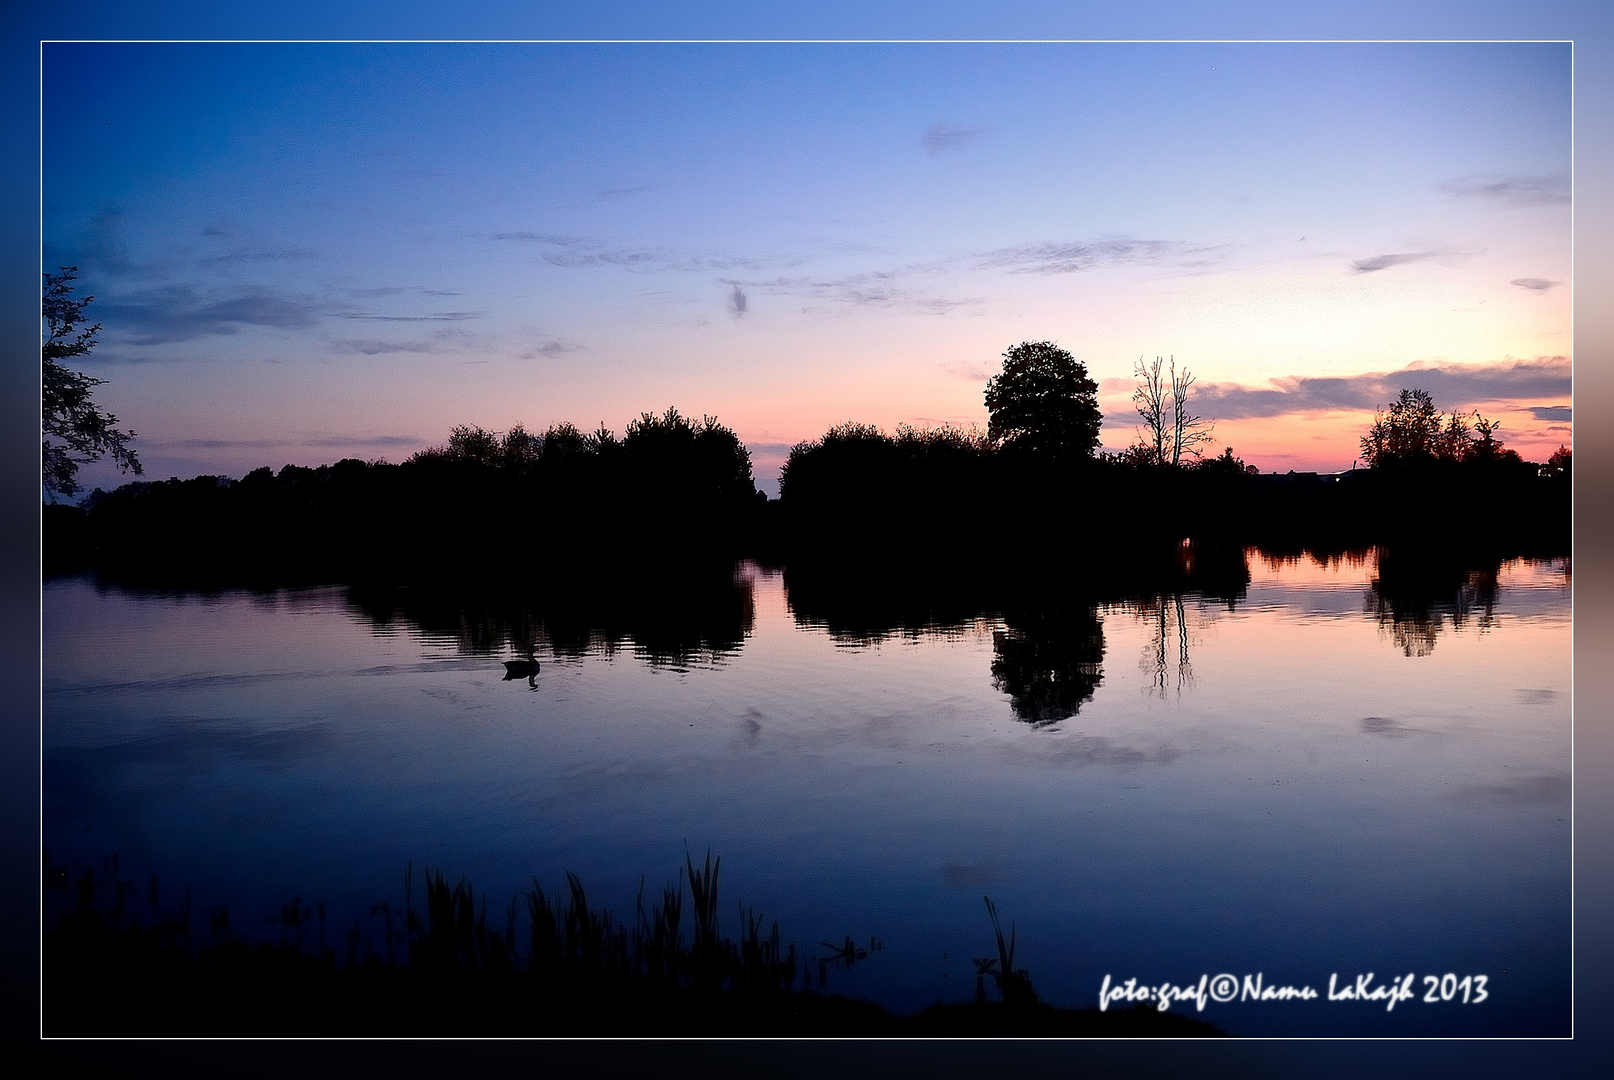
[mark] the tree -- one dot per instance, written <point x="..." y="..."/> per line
<point x="671" y="450"/>
<point x="1043" y="402"/>
<point x="1414" y="430"/>
<point x="468" y="442"/>
<point x="1486" y="445"/>
<point x="520" y="447"/>
<point x="1150" y="400"/>
<point x="1226" y="463"/>
<point x="1561" y="462"/>
<point x="73" y="431"/>
<point x="1171" y="432"/>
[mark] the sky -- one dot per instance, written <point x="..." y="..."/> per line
<point x="305" y="252"/>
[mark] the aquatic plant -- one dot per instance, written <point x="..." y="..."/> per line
<point x="584" y="973"/>
<point x="1014" y="985"/>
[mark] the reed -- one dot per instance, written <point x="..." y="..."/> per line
<point x="1014" y="985"/>
<point x="583" y="973"/>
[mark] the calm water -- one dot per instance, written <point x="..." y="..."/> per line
<point x="1310" y="779"/>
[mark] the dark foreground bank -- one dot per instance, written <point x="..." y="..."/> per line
<point x="117" y="962"/>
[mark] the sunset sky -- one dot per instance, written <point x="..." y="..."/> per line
<point x="301" y="253"/>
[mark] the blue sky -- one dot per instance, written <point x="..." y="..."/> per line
<point x="306" y="252"/>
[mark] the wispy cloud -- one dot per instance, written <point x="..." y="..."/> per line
<point x="378" y="348"/>
<point x="1535" y="283"/>
<point x="181" y="313"/>
<point x="324" y="441"/>
<point x="554" y="348"/>
<point x="376" y="291"/>
<point x="627" y="258"/>
<point x="1552" y="190"/>
<point x="1384" y="262"/>
<point x="576" y="252"/>
<point x="100" y="252"/>
<point x="737" y="302"/>
<point x="1453" y="386"/>
<point x="1553" y="412"/>
<point x="213" y="444"/>
<point x="185" y="312"/>
<point x="259" y="256"/>
<point x="880" y="287"/>
<point x="624" y="192"/>
<point x="869" y="290"/>
<point x="439" y="316"/>
<point x="1073" y="256"/>
<point x="940" y="138"/>
<point x="537" y="237"/>
<point x="344" y="441"/>
<point x="654" y="260"/>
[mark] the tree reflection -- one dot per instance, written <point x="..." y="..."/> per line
<point x="670" y="618"/>
<point x="1413" y="594"/>
<point x="1215" y="571"/>
<point x="1049" y="661"/>
<point x="864" y="604"/>
<point x="1166" y="613"/>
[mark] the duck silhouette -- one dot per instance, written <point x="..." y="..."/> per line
<point x="521" y="669"/>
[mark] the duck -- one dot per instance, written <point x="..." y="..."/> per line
<point x="521" y="669"/>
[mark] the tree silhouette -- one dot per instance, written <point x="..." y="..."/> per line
<point x="1414" y="430"/>
<point x="1560" y="463"/>
<point x="1172" y="432"/>
<point x="1043" y="402"/>
<point x="1410" y="430"/>
<point x="73" y="431"/>
<point x="702" y="459"/>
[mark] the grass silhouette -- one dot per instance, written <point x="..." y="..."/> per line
<point x="118" y="963"/>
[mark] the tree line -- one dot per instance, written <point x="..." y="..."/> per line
<point x="510" y="507"/>
<point x="1035" y="483"/>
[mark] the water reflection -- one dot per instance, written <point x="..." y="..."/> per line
<point x="1214" y="572"/>
<point x="693" y="616"/>
<point x="1049" y="661"/>
<point x="1413" y="594"/>
<point x="861" y="605"/>
<point x="1048" y="648"/>
<point x="320" y="740"/>
<point x="1279" y="559"/>
<point x="1047" y="631"/>
<point x="1167" y="614"/>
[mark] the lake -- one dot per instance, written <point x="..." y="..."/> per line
<point x="1314" y="775"/>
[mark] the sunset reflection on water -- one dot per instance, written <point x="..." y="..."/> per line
<point x="1149" y="786"/>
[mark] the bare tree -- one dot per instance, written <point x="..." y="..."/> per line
<point x="1189" y="432"/>
<point x="1150" y="399"/>
<point x="1171" y="432"/>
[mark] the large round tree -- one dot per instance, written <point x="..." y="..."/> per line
<point x="1044" y="402"/>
